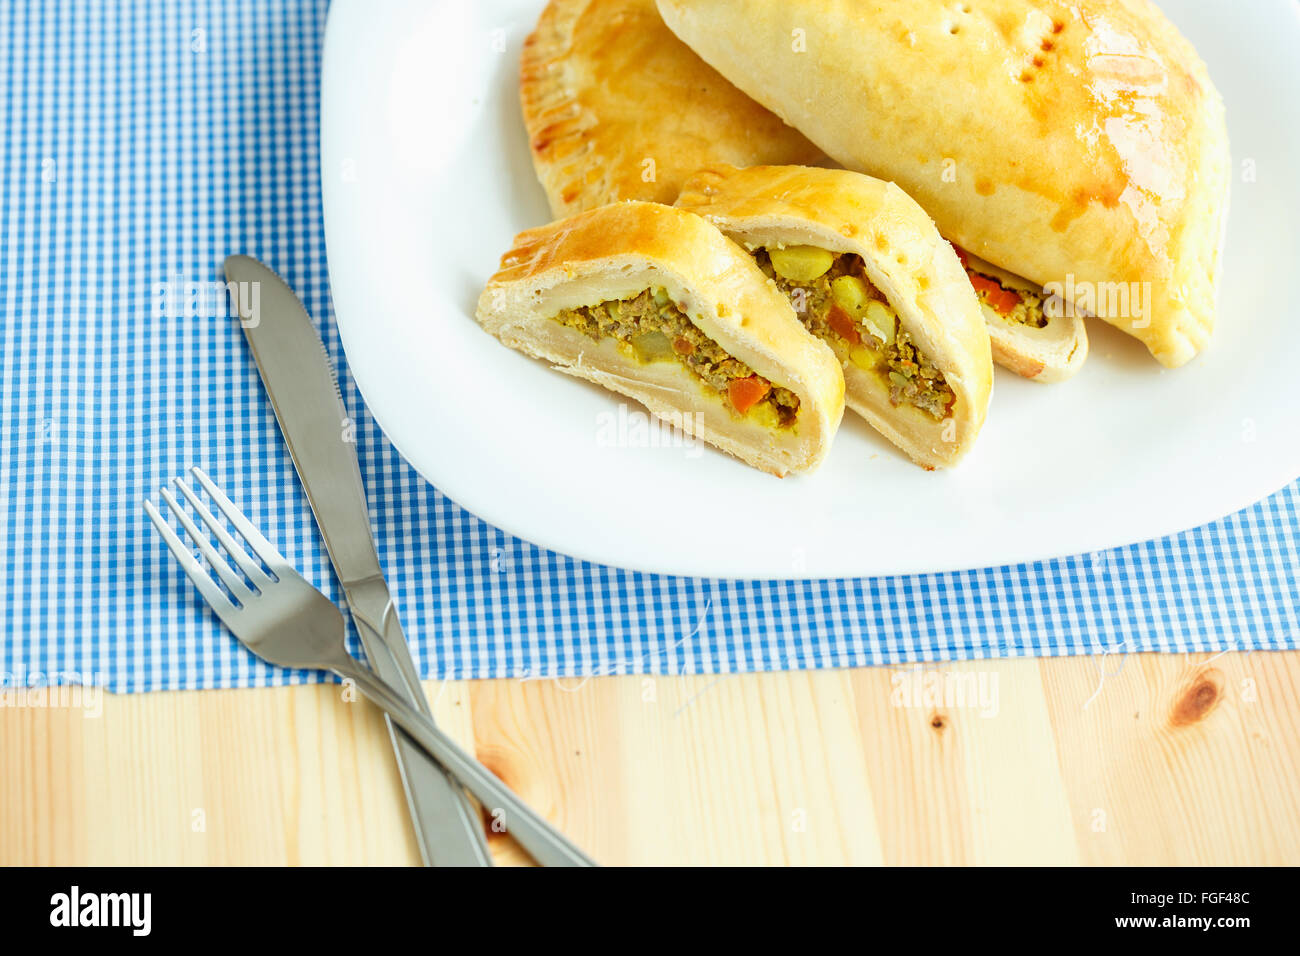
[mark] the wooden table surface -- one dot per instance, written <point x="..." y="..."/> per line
<point x="1171" y="759"/>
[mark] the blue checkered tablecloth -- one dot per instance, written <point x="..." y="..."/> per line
<point x="142" y="143"/>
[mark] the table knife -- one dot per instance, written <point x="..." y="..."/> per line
<point x="301" y="383"/>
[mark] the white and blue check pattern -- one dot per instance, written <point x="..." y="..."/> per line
<point x="144" y="142"/>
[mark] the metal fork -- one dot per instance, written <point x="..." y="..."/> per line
<point x="284" y="620"/>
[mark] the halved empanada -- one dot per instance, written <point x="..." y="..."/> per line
<point x="1036" y="335"/>
<point x="870" y="275"/>
<point x="619" y="108"/>
<point x="656" y="304"/>
<point x="1080" y="145"/>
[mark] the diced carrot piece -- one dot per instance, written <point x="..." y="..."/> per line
<point x="745" y="393"/>
<point x="842" y="324"/>
<point x="1002" y="300"/>
<point x="1007" y="302"/>
<point x="981" y="284"/>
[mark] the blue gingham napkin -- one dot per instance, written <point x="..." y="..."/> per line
<point x="142" y="143"/>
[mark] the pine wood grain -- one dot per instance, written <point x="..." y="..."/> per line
<point x="1176" y="759"/>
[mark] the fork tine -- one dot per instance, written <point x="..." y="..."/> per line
<point x="272" y="558"/>
<point x="207" y="587"/>
<point x="218" y="564"/>
<point x="246" y="563"/>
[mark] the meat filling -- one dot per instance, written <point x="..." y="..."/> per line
<point x="653" y="328"/>
<point x="1015" y="305"/>
<point x="838" y="303"/>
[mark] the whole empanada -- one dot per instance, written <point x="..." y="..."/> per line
<point x="1079" y="144"/>
<point x="619" y="108"/>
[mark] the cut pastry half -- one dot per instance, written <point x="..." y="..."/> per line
<point x="618" y="108"/>
<point x="868" y="273"/>
<point x="1036" y="335"/>
<point x="656" y="304"/>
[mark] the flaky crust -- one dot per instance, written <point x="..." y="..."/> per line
<point x="619" y="250"/>
<point x="1077" y="139"/>
<point x="905" y="258"/>
<point x="618" y="108"/>
<point x="1054" y="353"/>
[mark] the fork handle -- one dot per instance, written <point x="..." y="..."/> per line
<point x="544" y="843"/>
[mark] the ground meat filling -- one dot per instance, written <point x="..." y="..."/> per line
<point x="841" y="306"/>
<point x="653" y="328"/>
<point x="1015" y="305"/>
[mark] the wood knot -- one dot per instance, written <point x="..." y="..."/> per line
<point x="938" y="721"/>
<point x="489" y="818"/>
<point x="489" y="758"/>
<point x="495" y="822"/>
<point x="1198" y="698"/>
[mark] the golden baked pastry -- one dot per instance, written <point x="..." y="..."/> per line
<point x="619" y="108"/>
<point x="1080" y="144"/>
<point x="656" y="304"/>
<point x="868" y="273"/>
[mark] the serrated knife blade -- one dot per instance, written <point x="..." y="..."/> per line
<point x="301" y="383"/>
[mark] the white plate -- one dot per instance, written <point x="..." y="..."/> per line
<point x="427" y="177"/>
